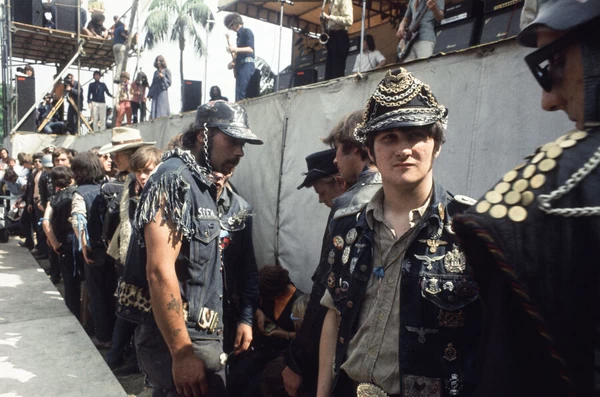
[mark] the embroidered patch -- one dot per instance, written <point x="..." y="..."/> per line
<point x="420" y="386"/>
<point x="451" y="319"/>
<point x="351" y="236"/>
<point x="421" y="332"/>
<point x="206" y="213"/>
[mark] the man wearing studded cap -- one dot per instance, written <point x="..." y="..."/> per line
<point x="173" y="281"/>
<point x="531" y="239"/>
<point x="403" y="311"/>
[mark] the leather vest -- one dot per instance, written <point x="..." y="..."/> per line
<point x="189" y="202"/>
<point x="440" y="311"/>
<point x="61" y="212"/>
<point x="95" y="205"/>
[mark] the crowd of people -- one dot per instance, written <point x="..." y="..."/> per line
<point x="418" y="291"/>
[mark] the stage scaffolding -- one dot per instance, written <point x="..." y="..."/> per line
<point x="22" y="43"/>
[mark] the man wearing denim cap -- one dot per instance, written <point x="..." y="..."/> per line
<point x="532" y="239"/>
<point x="176" y="247"/>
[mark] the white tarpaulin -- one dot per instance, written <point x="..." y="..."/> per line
<point x="495" y="120"/>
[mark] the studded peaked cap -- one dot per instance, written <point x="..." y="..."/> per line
<point x="400" y="100"/>
<point x="230" y="118"/>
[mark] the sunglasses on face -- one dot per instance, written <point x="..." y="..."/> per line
<point x="547" y="63"/>
<point x="37" y="161"/>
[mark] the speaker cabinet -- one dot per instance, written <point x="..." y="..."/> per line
<point x="192" y="95"/>
<point x="29" y="12"/>
<point x="304" y="61"/>
<point x="26" y="99"/>
<point x="320" y="68"/>
<point x="454" y="37"/>
<point x="458" y="10"/>
<point x="354" y="44"/>
<point x="305" y="76"/>
<point x="66" y="15"/>
<point x="321" y="55"/>
<point x="501" y="25"/>
<point x="285" y="81"/>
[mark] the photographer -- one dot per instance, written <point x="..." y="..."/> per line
<point x="73" y="90"/>
<point x="54" y="125"/>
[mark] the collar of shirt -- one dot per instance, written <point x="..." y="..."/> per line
<point x="374" y="212"/>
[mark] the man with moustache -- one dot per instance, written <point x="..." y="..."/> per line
<point x="532" y="246"/>
<point x="403" y="313"/>
<point x="175" y="258"/>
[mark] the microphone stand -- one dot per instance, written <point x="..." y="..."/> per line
<point x="283" y="2"/>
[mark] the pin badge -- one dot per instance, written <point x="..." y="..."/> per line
<point x="432" y="286"/>
<point x="338" y="242"/>
<point x="448" y="286"/>
<point x="429" y="260"/>
<point x="345" y="286"/>
<point x="353" y="262"/>
<point x="441" y="211"/>
<point x="455" y="261"/>
<point x="454" y="385"/>
<point x="450" y="352"/>
<point x="331" y="280"/>
<point x="331" y="257"/>
<point x="351" y="236"/>
<point x="346" y="255"/>
<point x="421" y="332"/>
<point x="433" y="244"/>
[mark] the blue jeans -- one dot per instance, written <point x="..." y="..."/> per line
<point x="244" y="74"/>
<point x="100" y="282"/>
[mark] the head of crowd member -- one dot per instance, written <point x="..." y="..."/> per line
<point x="49" y="149"/>
<point x="62" y="177"/>
<point x="369" y="43"/>
<point x="105" y="159"/>
<point x="124" y="77"/>
<point x="121" y="152"/>
<point x="62" y="157"/>
<point x="142" y="80"/>
<point x="11" y="162"/>
<point x="215" y="93"/>
<point x="26" y="160"/>
<point x="143" y="162"/>
<point x="47" y="161"/>
<point x="37" y="160"/>
<point x="160" y="62"/>
<point x="233" y="21"/>
<point x="28" y="70"/>
<point x="10" y="176"/>
<point x="3" y="154"/>
<point x="404" y="136"/>
<point x="273" y="282"/>
<point x="223" y="127"/>
<point x="97" y="75"/>
<point x="175" y="142"/>
<point x="68" y="80"/>
<point x="322" y="175"/>
<point x="351" y="156"/>
<point x="87" y="169"/>
<point x="566" y="62"/>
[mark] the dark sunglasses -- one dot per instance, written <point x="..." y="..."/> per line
<point x="543" y="64"/>
<point x="37" y="161"/>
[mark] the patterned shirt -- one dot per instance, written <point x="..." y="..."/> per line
<point x="340" y="15"/>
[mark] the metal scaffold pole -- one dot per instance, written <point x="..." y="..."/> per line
<point x="8" y="98"/>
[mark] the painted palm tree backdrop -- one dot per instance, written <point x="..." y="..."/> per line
<point x="178" y="21"/>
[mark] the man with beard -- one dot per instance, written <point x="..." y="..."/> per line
<point x="175" y="247"/>
<point x="531" y="246"/>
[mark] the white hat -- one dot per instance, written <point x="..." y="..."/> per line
<point x="124" y="138"/>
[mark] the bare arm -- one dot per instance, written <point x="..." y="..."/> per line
<point x="54" y="243"/>
<point x="326" y="354"/>
<point x="162" y="246"/>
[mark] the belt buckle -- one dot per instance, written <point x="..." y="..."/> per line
<point x="370" y="390"/>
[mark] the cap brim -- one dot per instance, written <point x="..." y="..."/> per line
<point x="312" y="176"/>
<point x="244" y="134"/>
<point x="110" y="148"/>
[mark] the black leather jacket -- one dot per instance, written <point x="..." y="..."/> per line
<point x="540" y="278"/>
<point x="303" y="355"/>
<point x="189" y="202"/>
<point x="438" y="297"/>
<point x="241" y="273"/>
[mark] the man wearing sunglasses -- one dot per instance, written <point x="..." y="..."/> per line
<point x="531" y="239"/>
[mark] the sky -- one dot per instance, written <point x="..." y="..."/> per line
<point x="266" y="46"/>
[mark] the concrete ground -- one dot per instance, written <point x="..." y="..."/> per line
<point x="44" y="351"/>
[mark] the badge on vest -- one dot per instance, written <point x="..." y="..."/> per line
<point x="455" y="260"/>
<point x="421" y="332"/>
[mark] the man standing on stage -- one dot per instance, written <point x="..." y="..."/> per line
<point x="75" y="93"/>
<point x="176" y="247"/>
<point x="337" y="22"/>
<point x="97" y="102"/>
<point x="427" y="12"/>
<point x="242" y="53"/>
<point x="532" y="239"/>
